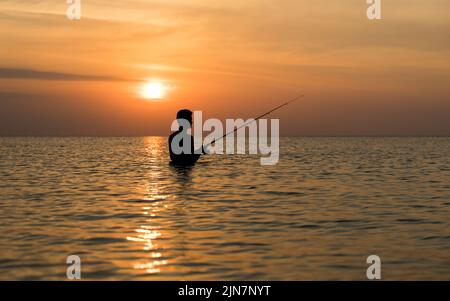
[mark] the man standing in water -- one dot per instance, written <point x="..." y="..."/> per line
<point x="181" y="144"/>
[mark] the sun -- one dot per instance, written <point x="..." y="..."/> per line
<point x="153" y="90"/>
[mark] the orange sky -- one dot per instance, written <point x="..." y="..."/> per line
<point x="230" y="59"/>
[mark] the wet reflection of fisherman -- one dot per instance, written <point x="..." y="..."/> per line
<point x="181" y="143"/>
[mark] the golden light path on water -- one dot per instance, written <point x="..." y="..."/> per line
<point x="148" y="234"/>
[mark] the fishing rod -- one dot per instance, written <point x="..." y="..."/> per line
<point x="259" y="117"/>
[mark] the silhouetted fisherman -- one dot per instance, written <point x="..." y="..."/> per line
<point x="181" y="157"/>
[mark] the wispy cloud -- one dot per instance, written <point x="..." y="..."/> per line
<point x="12" y="73"/>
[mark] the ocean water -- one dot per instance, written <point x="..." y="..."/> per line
<point x="317" y="215"/>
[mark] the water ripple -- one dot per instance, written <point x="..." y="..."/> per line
<point x="318" y="214"/>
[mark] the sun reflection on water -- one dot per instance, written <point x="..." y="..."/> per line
<point x="148" y="234"/>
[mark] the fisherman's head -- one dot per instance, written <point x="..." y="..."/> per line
<point x="184" y="118"/>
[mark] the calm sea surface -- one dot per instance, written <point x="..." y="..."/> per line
<point x="318" y="214"/>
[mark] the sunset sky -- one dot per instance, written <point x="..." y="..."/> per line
<point x="228" y="58"/>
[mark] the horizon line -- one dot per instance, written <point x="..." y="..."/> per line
<point x="281" y="136"/>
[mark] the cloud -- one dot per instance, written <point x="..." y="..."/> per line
<point x="12" y="73"/>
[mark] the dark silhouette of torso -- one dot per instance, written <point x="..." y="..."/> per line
<point x="183" y="159"/>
